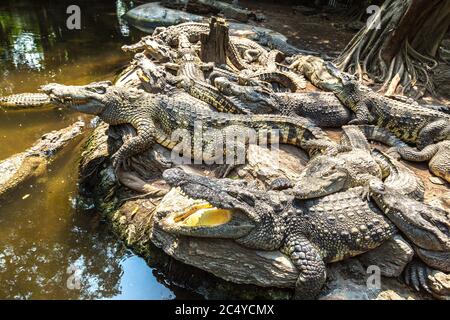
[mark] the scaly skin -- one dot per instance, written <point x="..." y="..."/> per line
<point x="399" y="177"/>
<point x="410" y="122"/>
<point x="324" y="109"/>
<point x="266" y="78"/>
<point x="188" y="63"/>
<point x="192" y="30"/>
<point x="197" y="89"/>
<point x="153" y="76"/>
<point x="312" y="233"/>
<point x="157" y="118"/>
<point x="438" y="154"/>
<point x="24" y="101"/>
<point x="426" y="226"/>
<point x="322" y="74"/>
<point x="20" y="169"/>
<point x="170" y="35"/>
<point x="325" y="174"/>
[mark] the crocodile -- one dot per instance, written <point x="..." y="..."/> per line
<point x="195" y="86"/>
<point x="327" y="174"/>
<point x="23" y="168"/>
<point x="166" y="38"/>
<point x="188" y="64"/>
<point x="398" y="176"/>
<point x="154" y="76"/>
<point x="170" y="35"/>
<point x="426" y="226"/>
<point x="438" y="154"/>
<point x="311" y="233"/>
<point x="278" y="80"/>
<point x="159" y="45"/>
<point x="322" y="74"/>
<point x="189" y="76"/>
<point x="24" y="101"/>
<point x="159" y="118"/>
<point x="323" y="108"/>
<point x="410" y="122"/>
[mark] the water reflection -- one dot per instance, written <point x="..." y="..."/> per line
<point x="27" y="52"/>
<point x="48" y="248"/>
<point x="122" y="7"/>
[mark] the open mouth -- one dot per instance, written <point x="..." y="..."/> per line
<point x="68" y="100"/>
<point x="200" y="218"/>
<point x="203" y="215"/>
<point x="142" y="76"/>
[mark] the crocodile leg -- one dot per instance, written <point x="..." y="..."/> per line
<point x="308" y="261"/>
<point x="415" y="275"/>
<point x="140" y="143"/>
<point x="436" y="129"/>
<point x="419" y="276"/>
<point x="362" y="114"/>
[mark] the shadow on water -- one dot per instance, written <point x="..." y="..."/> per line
<point x="48" y="248"/>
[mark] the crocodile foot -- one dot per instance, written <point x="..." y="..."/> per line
<point x="421" y="277"/>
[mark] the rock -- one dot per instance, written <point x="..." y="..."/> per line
<point x="212" y="7"/>
<point x="348" y="280"/>
<point x="391" y="257"/>
<point x="439" y="283"/>
<point x="149" y="16"/>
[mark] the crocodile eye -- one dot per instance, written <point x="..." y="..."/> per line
<point x="100" y="90"/>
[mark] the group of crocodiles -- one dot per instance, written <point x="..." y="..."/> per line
<point x="349" y="199"/>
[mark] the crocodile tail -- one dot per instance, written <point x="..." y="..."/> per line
<point x="296" y="131"/>
<point x="406" y="152"/>
<point x="375" y="133"/>
<point x="25" y="100"/>
<point x="398" y="176"/>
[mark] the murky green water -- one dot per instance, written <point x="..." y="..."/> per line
<point x="48" y="249"/>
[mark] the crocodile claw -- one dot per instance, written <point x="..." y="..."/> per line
<point x="117" y="162"/>
<point x="416" y="275"/>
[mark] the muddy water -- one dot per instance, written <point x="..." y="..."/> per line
<point x="48" y="248"/>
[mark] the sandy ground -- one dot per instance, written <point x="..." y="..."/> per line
<point x="320" y="32"/>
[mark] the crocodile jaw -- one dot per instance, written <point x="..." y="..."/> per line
<point x="203" y="220"/>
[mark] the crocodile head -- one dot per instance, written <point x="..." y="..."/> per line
<point x="256" y="98"/>
<point x="351" y="91"/>
<point x="89" y="98"/>
<point x="425" y="225"/>
<point x="153" y="48"/>
<point x="323" y="74"/>
<point x="92" y="98"/>
<point x="322" y="175"/>
<point x="224" y="208"/>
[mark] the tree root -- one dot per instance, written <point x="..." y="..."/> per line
<point x="407" y="71"/>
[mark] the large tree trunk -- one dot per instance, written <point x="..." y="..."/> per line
<point x="402" y="53"/>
